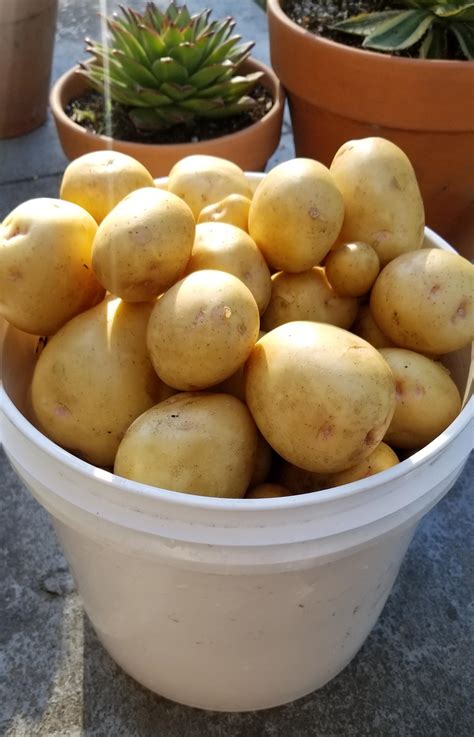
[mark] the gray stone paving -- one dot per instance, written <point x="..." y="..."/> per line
<point x="412" y="678"/>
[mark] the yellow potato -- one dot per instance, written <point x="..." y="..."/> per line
<point x="94" y="378"/>
<point x="307" y="296"/>
<point x="235" y="384"/>
<point x="352" y="269"/>
<point x="322" y="397"/>
<point x="365" y="327"/>
<point x="46" y="275"/>
<point x="298" y="480"/>
<point x="263" y="462"/>
<point x="424" y="301"/>
<point x="142" y="247"/>
<point x="196" y="443"/>
<point x="97" y="181"/>
<point x="380" y="459"/>
<point x="296" y="215"/>
<point x="427" y="399"/>
<point x="228" y="248"/>
<point x="233" y="209"/>
<point x="382" y="200"/>
<point x="202" y="330"/>
<point x="204" y="180"/>
<point x="267" y="491"/>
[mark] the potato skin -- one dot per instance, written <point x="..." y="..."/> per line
<point x="263" y="462"/>
<point x="428" y="400"/>
<point x="142" y="247"/>
<point x="228" y="248"/>
<point x="46" y="275"/>
<point x="93" y="378"/>
<point x="366" y="328"/>
<point x="352" y="269"/>
<point x="267" y="491"/>
<point x="99" y="180"/>
<point x="381" y="458"/>
<point x="322" y="397"/>
<point x="296" y="215"/>
<point x="202" y="180"/>
<point x="202" y="330"/>
<point x="382" y="201"/>
<point x="424" y="301"/>
<point x="195" y="443"/>
<point x="233" y="209"/>
<point x="307" y="296"/>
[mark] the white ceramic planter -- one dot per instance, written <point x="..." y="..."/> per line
<point x="220" y="603"/>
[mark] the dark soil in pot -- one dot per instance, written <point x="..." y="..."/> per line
<point x="89" y="111"/>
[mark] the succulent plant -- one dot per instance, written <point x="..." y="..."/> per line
<point x="430" y="22"/>
<point x="170" y="67"/>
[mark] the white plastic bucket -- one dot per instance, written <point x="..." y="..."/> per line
<point x="229" y="604"/>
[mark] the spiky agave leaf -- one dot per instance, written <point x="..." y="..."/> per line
<point x="428" y="21"/>
<point x="170" y="67"/>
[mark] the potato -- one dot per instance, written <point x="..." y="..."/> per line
<point x="94" y="378"/>
<point x="267" y="491"/>
<point x="381" y="458"/>
<point x="365" y="327"/>
<point x="46" y="276"/>
<point x="427" y="399"/>
<point x="196" y="443"/>
<point x="296" y="215"/>
<point x="228" y="248"/>
<point x="298" y="480"/>
<point x="263" y="462"/>
<point x="204" y="180"/>
<point x="97" y="181"/>
<point x="322" y="397"/>
<point x="235" y="384"/>
<point x="142" y="247"/>
<point x="307" y="296"/>
<point x="382" y="200"/>
<point x="202" y="330"/>
<point x="233" y="209"/>
<point x="352" y="269"/>
<point x="424" y="301"/>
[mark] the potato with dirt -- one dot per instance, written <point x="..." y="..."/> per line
<point x="382" y="201"/>
<point x="424" y="301"/>
<point x="196" y="443"/>
<point x="201" y="331"/>
<point x="202" y="180"/>
<point x="321" y="397"/>
<point x="142" y="247"/>
<point x="296" y="215"/>
<point x="94" y="377"/>
<point x="307" y="296"/>
<point x="46" y="275"/>
<point x="228" y="248"/>
<point x="427" y="399"/>
<point x="99" y="180"/>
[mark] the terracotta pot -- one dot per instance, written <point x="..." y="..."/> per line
<point x="27" y="29"/>
<point x="337" y="93"/>
<point x="250" y="148"/>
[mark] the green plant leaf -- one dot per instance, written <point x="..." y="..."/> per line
<point x="464" y="33"/>
<point x="133" y="48"/>
<point x="222" y="51"/>
<point x="401" y="32"/>
<point x="153" y="98"/>
<point x="172" y="36"/>
<point x="241" y="106"/>
<point x="241" y="52"/>
<point x="202" y="105"/>
<point x="364" y="23"/>
<point x="136" y="71"/>
<point x="220" y="30"/>
<point x="434" y="44"/>
<point x="177" y="92"/>
<point x="460" y="11"/>
<point x="167" y="69"/>
<point x="187" y="54"/>
<point x="151" y="42"/>
<point x="207" y="75"/>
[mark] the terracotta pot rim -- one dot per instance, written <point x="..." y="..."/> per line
<point x="416" y="64"/>
<point x="60" y="91"/>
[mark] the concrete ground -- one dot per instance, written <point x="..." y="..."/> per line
<point x="412" y="678"/>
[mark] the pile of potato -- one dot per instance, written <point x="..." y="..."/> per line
<point x="198" y="333"/>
